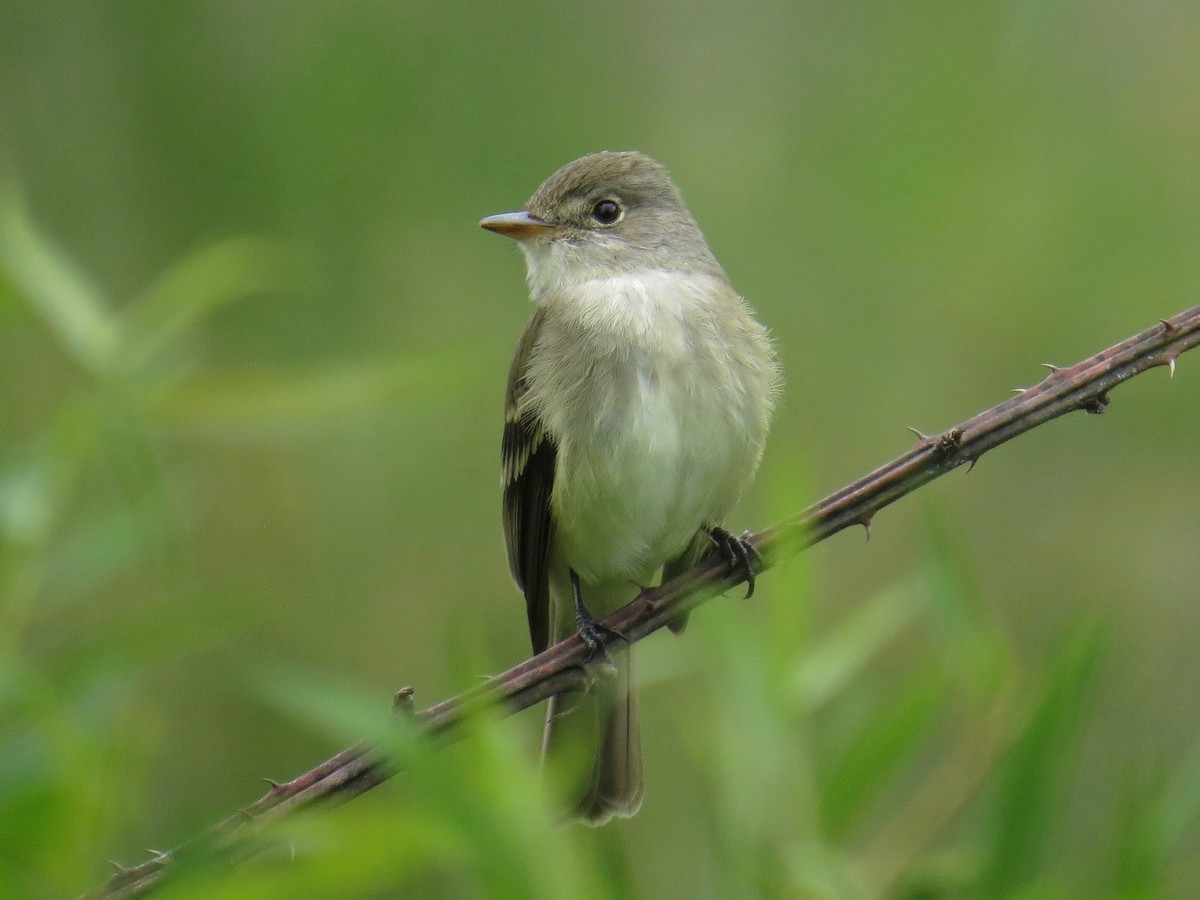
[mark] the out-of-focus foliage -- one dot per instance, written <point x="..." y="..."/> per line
<point x="251" y="360"/>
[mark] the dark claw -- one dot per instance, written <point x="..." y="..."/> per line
<point x="739" y="553"/>
<point x="592" y="630"/>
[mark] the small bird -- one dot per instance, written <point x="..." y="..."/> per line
<point x="637" y="408"/>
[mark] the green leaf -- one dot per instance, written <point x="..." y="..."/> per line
<point x="835" y="661"/>
<point x="971" y="645"/>
<point x="35" y="489"/>
<point x="267" y="402"/>
<point x="894" y="728"/>
<point x="1032" y="776"/>
<point x="1155" y="814"/>
<point x="194" y="288"/>
<point x="58" y="290"/>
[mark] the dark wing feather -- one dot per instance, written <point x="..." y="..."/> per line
<point x="528" y="456"/>
<point x="674" y="567"/>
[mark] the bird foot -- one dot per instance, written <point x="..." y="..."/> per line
<point x="739" y="553"/>
<point x="592" y="630"/>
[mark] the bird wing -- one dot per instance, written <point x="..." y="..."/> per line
<point x="527" y="457"/>
<point x="691" y="555"/>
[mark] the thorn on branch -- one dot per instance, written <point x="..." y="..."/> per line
<point x="1167" y="326"/>
<point x="1052" y="367"/>
<point x="121" y="870"/>
<point x="402" y="702"/>
<point x="1170" y="362"/>
<point x="1018" y="390"/>
<point x="921" y="436"/>
<point x="865" y="522"/>
<point x="274" y="788"/>
<point x="649" y="598"/>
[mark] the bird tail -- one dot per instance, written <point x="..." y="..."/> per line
<point x="604" y="717"/>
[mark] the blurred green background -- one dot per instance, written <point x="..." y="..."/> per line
<point x="252" y="351"/>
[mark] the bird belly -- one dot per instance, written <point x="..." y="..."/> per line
<point x="648" y="471"/>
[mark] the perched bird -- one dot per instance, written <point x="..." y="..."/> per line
<point x="637" y="407"/>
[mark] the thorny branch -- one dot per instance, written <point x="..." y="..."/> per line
<point x="1083" y="386"/>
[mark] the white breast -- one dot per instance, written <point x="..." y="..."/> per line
<point x="659" y="427"/>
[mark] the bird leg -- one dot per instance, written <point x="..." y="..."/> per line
<point x="591" y="629"/>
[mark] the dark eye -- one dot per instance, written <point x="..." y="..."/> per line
<point x="606" y="211"/>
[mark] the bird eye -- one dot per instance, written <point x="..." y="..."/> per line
<point x="606" y="211"/>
